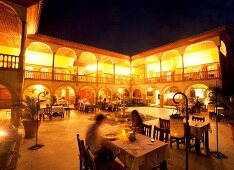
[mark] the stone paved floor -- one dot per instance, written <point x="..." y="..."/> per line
<point x="61" y="152"/>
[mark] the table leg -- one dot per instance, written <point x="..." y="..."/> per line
<point x="207" y="140"/>
<point x="197" y="146"/>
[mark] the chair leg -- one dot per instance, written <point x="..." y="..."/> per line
<point x="170" y="142"/>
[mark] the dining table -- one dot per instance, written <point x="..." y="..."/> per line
<point x="139" y="154"/>
<point x="58" y="111"/>
<point x="197" y="129"/>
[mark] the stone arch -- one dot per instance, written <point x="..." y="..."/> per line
<point x="122" y="67"/>
<point x="168" y="95"/>
<point x="138" y="68"/>
<point x="197" y="90"/>
<point x="13" y="31"/>
<point x="172" y="65"/>
<point x="34" y="90"/>
<point x="5" y="97"/>
<point x="105" y="92"/>
<point x="65" y="95"/>
<point x="39" y="57"/>
<point x="87" y="94"/>
<point x="105" y="66"/>
<point x="87" y="64"/>
<point x="152" y="66"/>
<point x="204" y="52"/>
<point x="65" y="61"/>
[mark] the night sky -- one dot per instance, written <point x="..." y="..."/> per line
<point x="132" y="26"/>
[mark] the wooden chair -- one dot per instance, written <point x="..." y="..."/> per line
<point x="164" y="124"/>
<point x="83" y="156"/>
<point x="147" y="129"/>
<point x="197" y="118"/>
<point x="93" y="161"/>
<point x="177" y="132"/>
<point x="48" y="112"/>
<point x="161" y="134"/>
<point x="200" y="119"/>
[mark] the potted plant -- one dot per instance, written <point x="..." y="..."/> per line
<point x="29" y="115"/>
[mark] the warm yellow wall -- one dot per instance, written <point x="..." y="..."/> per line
<point x="38" y="58"/>
<point x="138" y="71"/>
<point x="122" y="70"/>
<point x="106" y="68"/>
<point x="63" y="61"/>
<point x="9" y="50"/>
<point x="201" y="57"/>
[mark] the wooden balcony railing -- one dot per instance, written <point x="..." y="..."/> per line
<point x="9" y="61"/>
<point x="38" y="75"/>
<point x="120" y="79"/>
<point x="212" y="74"/>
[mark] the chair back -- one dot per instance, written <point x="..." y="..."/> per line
<point x="161" y="134"/>
<point x="164" y="123"/>
<point x="147" y="129"/>
<point x="82" y="153"/>
<point x="197" y="118"/>
<point x="92" y="159"/>
<point x="177" y="129"/>
<point x="47" y="110"/>
<point x="211" y="107"/>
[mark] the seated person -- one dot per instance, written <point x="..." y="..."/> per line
<point x="137" y="122"/>
<point x="197" y="106"/>
<point x="94" y="141"/>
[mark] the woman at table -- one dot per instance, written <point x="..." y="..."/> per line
<point x="94" y="141"/>
<point x="137" y="122"/>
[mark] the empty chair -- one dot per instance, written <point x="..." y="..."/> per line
<point x="177" y="131"/>
<point x="211" y="110"/>
<point x="164" y="123"/>
<point x="48" y="112"/>
<point x="147" y="129"/>
<point x="161" y="134"/>
<point x="83" y="156"/>
<point x="93" y="161"/>
<point x="197" y="118"/>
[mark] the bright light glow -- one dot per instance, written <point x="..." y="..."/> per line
<point x="63" y="92"/>
<point x="120" y="91"/>
<point x="150" y="89"/>
<point x="39" y="87"/>
<point x="223" y="49"/>
<point x="170" y="95"/>
<point x="91" y="68"/>
<point x="199" y="93"/>
<point x="38" y="58"/>
<point x="2" y="133"/>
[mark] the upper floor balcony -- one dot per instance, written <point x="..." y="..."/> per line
<point x="197" y="72"/>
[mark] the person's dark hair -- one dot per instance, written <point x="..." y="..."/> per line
<point x="100" y="118"/>
<point x="136" y="119"/>
<point x="136" y="115"/>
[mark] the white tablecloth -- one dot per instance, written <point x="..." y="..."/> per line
<point x="58" y="109"/>
<point x="140" y="154"/>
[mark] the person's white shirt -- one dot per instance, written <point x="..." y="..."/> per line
<point x="94" y="139"/>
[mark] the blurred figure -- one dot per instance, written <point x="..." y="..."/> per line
<point x="94" y="141"/>
<point x="137" y="122"/>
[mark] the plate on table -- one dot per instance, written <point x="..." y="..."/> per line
<point x="111" y="136"/>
